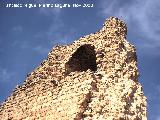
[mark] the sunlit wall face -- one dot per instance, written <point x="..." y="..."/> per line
<point x="28" y="34"/>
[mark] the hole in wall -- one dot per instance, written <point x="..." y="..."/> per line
<point x="82" y="59"/>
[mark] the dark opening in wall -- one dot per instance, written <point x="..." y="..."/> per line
<point x="83" y="59"/>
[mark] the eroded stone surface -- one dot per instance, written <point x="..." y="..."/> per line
<point x="94" y="78"/>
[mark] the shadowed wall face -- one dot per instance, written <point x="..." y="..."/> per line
<point x="83" y="59"/>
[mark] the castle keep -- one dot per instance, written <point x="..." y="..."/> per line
<point x="94" y="78"/>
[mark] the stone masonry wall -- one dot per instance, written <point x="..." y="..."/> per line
<point x="94" y="78"/>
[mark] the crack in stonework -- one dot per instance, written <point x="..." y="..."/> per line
<point x="85" y="104"/>
<point x="83" y="107"/>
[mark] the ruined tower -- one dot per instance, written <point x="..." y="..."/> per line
<point x="94" y="78"/>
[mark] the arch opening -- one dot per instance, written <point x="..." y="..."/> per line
<point x="82" y="59"/>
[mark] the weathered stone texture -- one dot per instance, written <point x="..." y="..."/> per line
<point x="94" y="78"/>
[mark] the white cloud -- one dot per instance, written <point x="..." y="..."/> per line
<point x="1" y="49"/>
<point x="158" y="118"/>
<point x="158" y="89"/>
<point x="17" y="29"/>
<point x="144" y="13"/>
<point x="41" y="50"/>
<point x="50" y="11"/>
<point x="5" y="75"/>
<point x="64" y="38"/>
<point x="58" y="32"/>
<point x="55" y="27"/>
<point x="53" y="12"/>
<point x="54" y="32"/>
<point x="152" y="96"/>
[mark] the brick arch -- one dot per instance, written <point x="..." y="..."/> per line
<point x="82" y="59"/>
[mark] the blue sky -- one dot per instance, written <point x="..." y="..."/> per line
<point x="27" y="35"/>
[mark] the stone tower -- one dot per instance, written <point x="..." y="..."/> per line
<point x="94" y="78"/>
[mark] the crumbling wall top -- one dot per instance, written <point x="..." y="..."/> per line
<point x="115" y="26"/>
